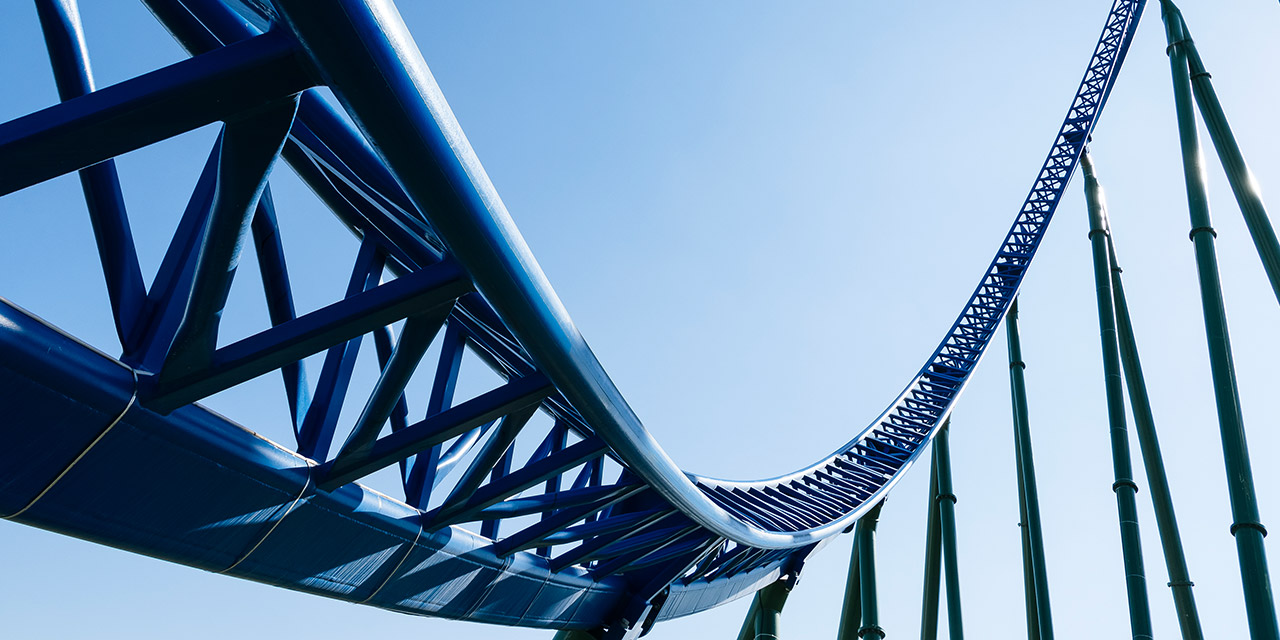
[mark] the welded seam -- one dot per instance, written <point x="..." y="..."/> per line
<point x="245" y="556"/>
<point x="71" y="465"/>
<point x="421" y="527"/>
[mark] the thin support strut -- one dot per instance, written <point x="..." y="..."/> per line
<point x="947" y="519"/>
<point x="851" y="611"/>
<point x="1124" y="487"/>
<point x="1243" y="184"/>
<point x="932" y="563"/>
<point x="64" y="38"/>
<point x="865" y="541"/>
<point x="1144" y="424"/>
<point x="1027" y="476"/>
<point x="1247" y="523"/>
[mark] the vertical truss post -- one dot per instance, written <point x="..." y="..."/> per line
<point x="932" y="563"/>
<point x="1124" y="486"/>
<point x="947" y="518"/>
<point x="1027" y="476"/>
<point x="247" y="151"/>
<point x="275" y="285"/>
<point x="64" y="38"/>
<point x="1144" y="424"/>
<point x="1247" y="526"/>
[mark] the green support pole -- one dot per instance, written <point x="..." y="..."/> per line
<point x="771" y="600"/>
<point x="865" y="539"/>
<point x="851" y="612"/>
<point x="859" y="617"/>
<point x="1247" y="525"/>
<point x="932" y="563"/>
<point x="947" y="517"/>
<point x="748" y="630"/>
<point x="1028" y="571"/>
<point x="1144" y="423"/>
<point x="1027" y="475"/>
<point x="765" y="613"/>
<point x="1243" y="184"/>
<point x="1124" y="486"/>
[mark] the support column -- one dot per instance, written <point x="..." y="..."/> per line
<point x="1027" y="474"/>
<point x="772" y="599"/>
<point x="1247" y="525"/>
<point x="765" y="614"/>
<point x="1028" y="569"/>
<point x="932" y="563"/>
<point x="947" y="517"/>
<point x="866" y="541"/>
<point x="1124" y="487"/>
<point x="1243" y="184"/>
<point x="851" y="611"/>
<point x="1144" y="423"/>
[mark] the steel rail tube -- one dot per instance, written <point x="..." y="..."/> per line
<point x="367" y="56"/>
<point x="365" y="53"/>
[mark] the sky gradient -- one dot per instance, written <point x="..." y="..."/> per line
<point x="762" y="218"/>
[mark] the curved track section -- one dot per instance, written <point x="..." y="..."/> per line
<point x="589" y="525"/>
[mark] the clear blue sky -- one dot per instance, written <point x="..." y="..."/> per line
<point x="762" y="216"/>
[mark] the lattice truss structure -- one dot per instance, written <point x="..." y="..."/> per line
<point x="595" y="527"/>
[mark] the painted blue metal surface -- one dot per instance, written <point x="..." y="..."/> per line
<point x="596" y="529"/>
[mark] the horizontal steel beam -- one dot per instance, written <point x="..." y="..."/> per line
<point x="149" y="108"/>
<point x="311" y="333"/>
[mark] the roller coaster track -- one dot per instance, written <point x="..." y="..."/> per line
<point x="597" y="526"/>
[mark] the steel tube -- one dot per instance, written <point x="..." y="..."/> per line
<point x="865" y="538"/>
<point x="1241" y="179"/>
<point x="1247" y="523"/>
<point x="932" y="562"/>
<point x="1144" y="424"/>
<point x="851" y="611"/>
<point x="947" y="519"/>
<point x="368" y="58"/>
<point x="1124" y="486"/>
<point x="64" y="38"/>
<point x="1022" y="429"/>
<point x="1028" y="570"/>
<point x="770" y="601"/>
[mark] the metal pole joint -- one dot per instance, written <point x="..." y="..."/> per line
<point x="1257" y="526"/>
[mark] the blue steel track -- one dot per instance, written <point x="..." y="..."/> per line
<point x="597" y="528"/>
